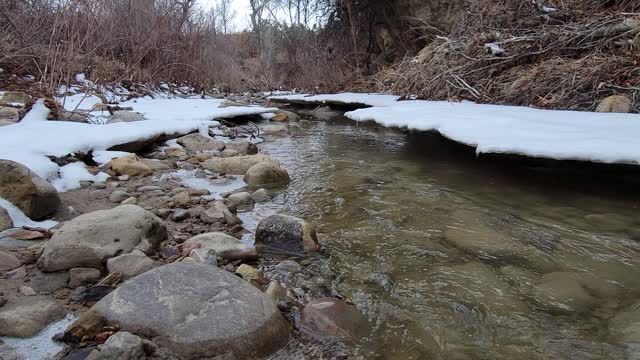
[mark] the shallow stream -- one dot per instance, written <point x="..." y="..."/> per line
<point x="454" y="257"/>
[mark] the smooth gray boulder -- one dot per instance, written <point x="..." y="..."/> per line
<point x="26" y="190"/>
<point x="28" y="315"/>
<point x="90" y="239"/>
<point x="197" y="311"/>
<point x="225" y="246"/>
<point x="266" y="174"/>
<point x="288" y="234"/>
<point x="197" y="142"/>
<point x="132" y="264"/>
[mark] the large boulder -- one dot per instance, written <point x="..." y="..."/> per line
<point x="329" y="317"/>
<point x="28" y="315"/>
<point x="237" y="165"/>
<point x="25" y="189"/>
<point x="286" y="233"/>
<point x="130" y="165"/>
<point x="5" y="220"/>
<point x="266" y="174"/>
<point x="243" y="147"/>
<point x="201" y="312"/>
<point x="90" y="239"/>
<point x="225" y="246"/>
<point x="197" y="142"/>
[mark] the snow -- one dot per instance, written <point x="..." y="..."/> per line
<point x="342" y="98"/>
<point x="555" y="134"/>
<point x="72" y="174"/>
<point x="104" y="156"/>
<point x="81" y="101"/>
<point x="38" y="113"/>
<point x="19" y="219"/>
<point x="41" y="346"/>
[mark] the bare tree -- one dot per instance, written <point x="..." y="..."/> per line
<point x="225" y="15"/>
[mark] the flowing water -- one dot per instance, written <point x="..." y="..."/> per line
<point x="453" y="257"/>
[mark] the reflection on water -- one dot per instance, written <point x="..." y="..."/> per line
<point x="453" y="257"/>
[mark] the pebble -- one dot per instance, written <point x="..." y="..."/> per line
<point x="130" y="201"/>
<point x="27" y="291"/>
<point x="119" y="196"/>
<point x="180" y="215"/>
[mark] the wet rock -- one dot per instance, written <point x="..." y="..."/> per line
<point x="324" y="113"/>
<point x="48" y="283"/>
<point x="381" y="280"/>
<point x="118" y="196"/>
<point x="241" y="200"/>
<point x="225" y="246"/>
<point x="218" y="212"/>
<point x="275" y="130"/>
<point x="8" y="262"/>
<point x="329" y="317"/>
<point x="562" y="292"/>
<point x="132" y="264"/>
<point x="229" y="153"/>
<point x="197" y="142"/>
<point x="625" y="326"/>
<point x="243" y="147"/>
<point x="237" y="165"/>
<point x="266" y="174"/>
<point x="83" y="276"/>
<point x="200" y="306"/>
<point x="289" y="266"/>
<point x="615" y="104"/>
<point x="15" y="97"/>
<point x="27" y="316"/>
<point x="130" y="165"/>
<point x="283" y="233"/>
<point x="251" y="274"/>
<point x="180" y="215"/>
<point x="276" y="292"/>
<point x="120" y="346"/>
<point x="125" y="116"/>
<point x="204" y="256"/>
<point x="90" y="239"/>
<point x="29" y="192"/>
<point x="260" y="195"/>
<point x="284" y="115"/>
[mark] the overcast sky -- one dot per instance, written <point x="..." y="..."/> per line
<point x="241" y="7"/>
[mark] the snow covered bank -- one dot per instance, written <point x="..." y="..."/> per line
<point x="561" y="135"/>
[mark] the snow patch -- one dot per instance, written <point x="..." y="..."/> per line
<point x="39" y="112"/>
<point x="72" y="174"/>
<point x="19" y="219"/>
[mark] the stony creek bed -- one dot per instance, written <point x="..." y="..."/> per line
<point x="445" y="255"/>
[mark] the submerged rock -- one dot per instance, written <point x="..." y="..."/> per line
<point x="275" y="130"/>
<point x="26" y="190"/>
<point x="329" y="317"/>
<point x="625" y="326"/>
<point x="90" y="239"/>
<point x="266" y="174"/>
<point x="205" y="312"/>
<point x="283" y="233"/>
<point x="27" y="316"/>
<point x="237" y="165"/>
<point x="563" y="292"/>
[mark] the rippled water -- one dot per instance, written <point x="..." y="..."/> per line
<point x="454" y="257"/>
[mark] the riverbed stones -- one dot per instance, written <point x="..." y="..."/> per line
<point x="563" y="292"/>
<point x="328" y="317"/>
<point x="132" y="264"/>
<point x="251" y="274"/>
<point x="242" y="200"/>
<point x="26" y="190"/>
<point x="225" y="246"/>
<point x="218" y="212"/>
<point x="90" y="239"/>
<point x="119" y="196"/>
<point x="266" y="174"/>
<point x="226" y="153"/>
<point x="276" y="292"/>
<point x="243" y="147"/>
<point x="83" y="276"/>
<point x="130" y="165"/>
<point x="260" y="195"/>
<point x="8" y="262"/>
<point x="122" y="345"/>
<point x="197" y="142"/>
<point x="27" y="316"/>
<point x="237" y="165"/>
<point x="205" y="312"/>
<point x="289" y="234"/>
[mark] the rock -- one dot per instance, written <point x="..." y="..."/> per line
<point x="9" y="114"/>
<point x="329" y="317"/>
<point x="276" y="292"/>
<point x="228" y="153"/>
<point x="182" y="199"/>
<point x="286" y="233"/>
<point x="204" y="256"/>
<point x="156" y="165"/>
<point x="15" y="97"/>
<point x="562" y="292"/>
<point x="284" y="115"/>
<point x="132" y="264"/>
<point x="260" y="195"/>
<point x="118" y="196"/>
<point x="197" y="142"/>
<point x="275" y="130"/>
<point x="289" y="266"/>
<point x="218" y="212"/>
<point x="125" y="116"/>
<point x="130" y="201"/>
<point x="237" y="165"/>
<point x="130" y="165"/>
<point x="18" y="273"/>
<point x="201" y="305"/>
<point x="225" y="246"/>
<point x="120" y="346"/>
<point x="149" y="188"/>
<point x="8" y="262"/>
<point x="304" y="124"/>
<point x="180" y="215"/>
<point x="90" y="239"/>
<point x="175" y="152"/>
<point x="243" y="147"/>
<point x="83" y="276"/>
<point x="615" y="104"/>
<point x="28" y="316"/>
<point x="241" y="200"/>
<point x="29" y="192"/>
<point x="625" y="326"/>
<point x="324" y="113"/>
<point x="27" y="291"/>
<point x="48" y="283"/>
<point x="124" y="177"/>
<point x="266" y="174"/>
<point x="251" y="274"/>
